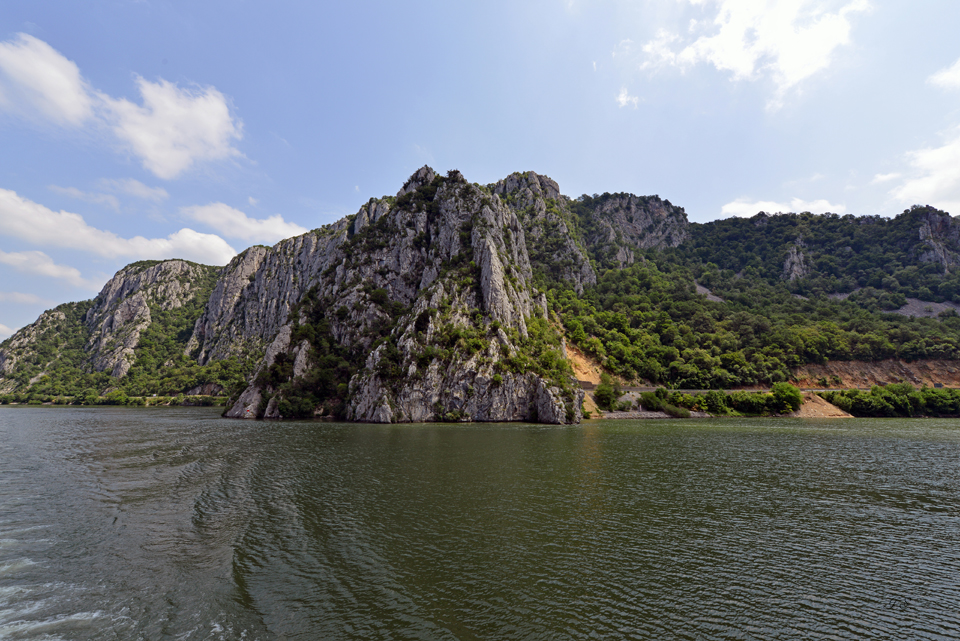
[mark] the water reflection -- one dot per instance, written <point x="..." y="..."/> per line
<point x="175" y="524"/>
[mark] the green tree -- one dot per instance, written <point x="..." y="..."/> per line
<point x="786" y="397"/>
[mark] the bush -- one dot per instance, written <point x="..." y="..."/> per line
<point x="651" y="401"/>
<point x="786" y="397"/>
<point x="750" y="403"/>
<point x="676" y="412"/>
<point x="715" y="402"/>
<point x="297" y="407"/>
<point x="605" y="395"/>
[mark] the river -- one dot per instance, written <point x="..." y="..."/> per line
<point x="132" y="523"/>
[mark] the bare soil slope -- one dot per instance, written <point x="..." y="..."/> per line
<point x="848" y="374"/>
<point x="584" y="367"/>
<point x="815" y="407"/>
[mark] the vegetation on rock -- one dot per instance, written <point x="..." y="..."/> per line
<point x="452" y="301"/>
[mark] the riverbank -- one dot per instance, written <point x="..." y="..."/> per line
<point x="783" y="401"/>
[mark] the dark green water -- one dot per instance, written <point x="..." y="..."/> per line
<point x="175" y="524"/>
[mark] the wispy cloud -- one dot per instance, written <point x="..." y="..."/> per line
<point x="745" y="208"/>
<point x="624" y="98"/>
<point x="936" y="176"/>
<point x="233" y="223"/>
<point x="24" y="299"/>
<point x="97" y="199"/>
<point x="786" y="40"/>
<point x="135" y="188"/>
<point x="174" y="128"/>
<point x="170" y="130"/>
<point x="38" y="263"/>
<point x="34" y="223"/>
<point x="6" y="332"/>
<point x="948" y="78"/>
<point x="37" y="82"/>
<point x="885" y="178"/>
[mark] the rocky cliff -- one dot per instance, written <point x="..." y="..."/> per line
<point x="940" y="239"/>
<point x="103" y="335"/>
<point x="619" y="224"/>
<point x="122" y="310"/>
<point x="28" y="354"/>
<point x="431" y="304"/>
<point x="426" y="301"/>
<point x="554" y="241"/>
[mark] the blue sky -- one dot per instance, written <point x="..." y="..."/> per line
<point x="147" y="130"/>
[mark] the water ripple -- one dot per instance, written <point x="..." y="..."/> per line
<point x="174" y="524"/>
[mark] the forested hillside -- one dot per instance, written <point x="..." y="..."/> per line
<point x="453" y="300"/>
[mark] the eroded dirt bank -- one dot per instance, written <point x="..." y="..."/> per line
<point x="848" y="374"/>
<point x="815" y="407"/>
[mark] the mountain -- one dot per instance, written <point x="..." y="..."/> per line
<point x="455" y="301"/>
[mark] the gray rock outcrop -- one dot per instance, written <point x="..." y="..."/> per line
<point x="624" y="222"/>
<point x="121" y="312"/>
<point x="553" y="241"/>
<point x="28" y="341"/>
<point x="399" y="282"/>
<point x="940" y="238"/>
<point x="795" y="265"/>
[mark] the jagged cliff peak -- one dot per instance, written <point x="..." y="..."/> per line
<point x="536" y="184"/>
<point x="421" y="300"/>
<point x="419" y="178"/>
<point x="122" y="310"/>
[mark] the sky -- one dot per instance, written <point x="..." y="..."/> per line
<point x="147" y="129"/>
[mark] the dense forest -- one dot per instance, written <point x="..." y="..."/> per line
<point x="644" y="323"/>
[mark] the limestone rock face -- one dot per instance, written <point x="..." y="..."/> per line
<point x="940" y="237"/>
<point x="795" y="265"/>
<point x="552" y="238"/>
<point x="256" y="290"/>
<point x="25" y="343"/>
<point x="107" y="328"/>
<point x="401" y="284"/>
<point x="624" y="222"/>
<point x="117" y="335"/>
<point x="121" y="312"/>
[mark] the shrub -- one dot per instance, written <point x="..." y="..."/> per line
<point x="676" y="412"/>
<point x="715" y="402"/>
<point x="605" y="396"/>
<point x="651" y="402"/>
<point x="786" y="397"/>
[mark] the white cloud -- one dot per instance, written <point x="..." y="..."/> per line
<point x="35" y="80"/>
<point x="625" y="98"/>
<point x="937" y="177"/>
<point x="135" y="188"/>
<point x="35" y="262"/>
<point x="948" y="78"/>
<point x="884" y="178"/>
<point x="746" y="208"/>
<point x="253" y="201"/>
<point x="30" y="221"/>
<point x="6" y="332"/>
<point x="170" y="131"/>
<point x="233" y="223"/>
<point x="96" y="199"/>
<point x="789" y="40"/>
<point x="25" y="299"/>
<point x="174" y="128"/>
